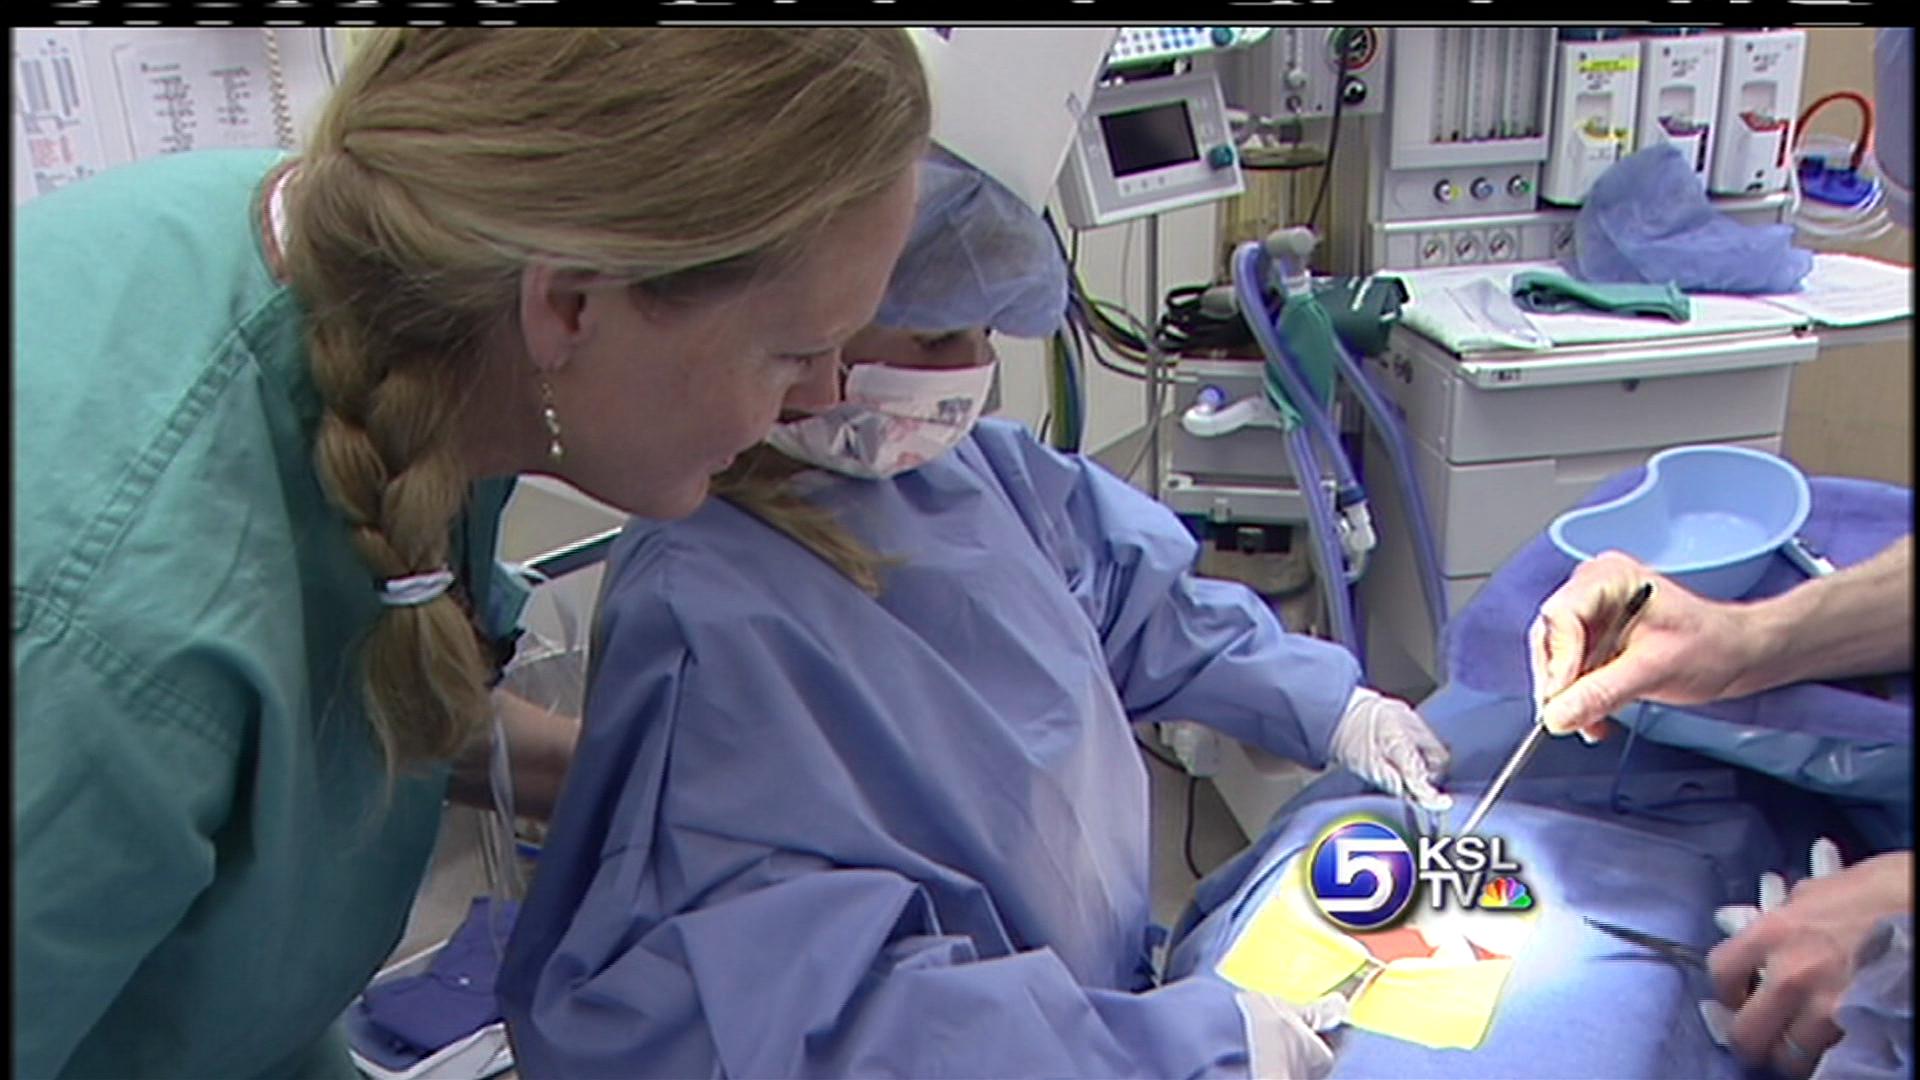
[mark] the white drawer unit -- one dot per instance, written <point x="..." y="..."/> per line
<point x="1588" y="399"/>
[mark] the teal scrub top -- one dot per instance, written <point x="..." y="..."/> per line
<point x="208" y="864"/>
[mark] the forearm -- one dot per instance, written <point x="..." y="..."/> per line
<point x="539" y="748"/>
<point x="1856" y="622"/>
<point x="1214" y="653"/>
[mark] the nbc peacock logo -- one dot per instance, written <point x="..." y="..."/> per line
<point x="1505" y="894"/>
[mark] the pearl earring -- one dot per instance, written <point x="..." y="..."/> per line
<point x="555" y="451"/>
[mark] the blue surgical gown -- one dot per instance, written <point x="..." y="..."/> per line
<point x="809" y="832"/>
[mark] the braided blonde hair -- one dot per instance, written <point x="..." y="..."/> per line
<point x="760" y="483"/>
<point x="682" y="160"/>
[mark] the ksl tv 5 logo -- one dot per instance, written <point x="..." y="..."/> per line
<point x="1364" y="875"/>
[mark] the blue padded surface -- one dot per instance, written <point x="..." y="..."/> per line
<point x="1676" y="836"/>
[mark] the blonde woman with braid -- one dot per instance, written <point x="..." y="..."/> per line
<point x="268" y="412"/>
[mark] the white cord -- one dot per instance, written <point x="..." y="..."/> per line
<point x="277" y="90"/>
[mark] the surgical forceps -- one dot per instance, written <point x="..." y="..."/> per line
<point x="1677" y="952"/>
<point x="1674" y="952"/>
<point x="1602" y="653"/>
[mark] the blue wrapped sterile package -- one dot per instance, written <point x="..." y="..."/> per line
<point x="454" y="997"/>
<point x="1647" y="219"/>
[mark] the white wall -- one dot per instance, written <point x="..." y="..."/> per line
<point x="1112" y="266"/>
<point x="545" y="514"/>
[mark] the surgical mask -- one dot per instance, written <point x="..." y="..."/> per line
<point x="893" y="419"/>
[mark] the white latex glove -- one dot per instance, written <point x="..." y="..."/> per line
<point x="1384" y="742"/>
<point x="1823" y="859"/>
<point x="1282" y="1038"/>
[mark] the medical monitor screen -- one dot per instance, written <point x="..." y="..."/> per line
<point x="1150" y="138"/>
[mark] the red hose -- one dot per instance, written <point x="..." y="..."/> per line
<point x="1861" y="144"/>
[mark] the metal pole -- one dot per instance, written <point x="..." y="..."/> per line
<point x="1153" y="355"/>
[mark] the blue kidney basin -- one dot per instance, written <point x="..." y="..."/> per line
<point x="1707" y="517"/>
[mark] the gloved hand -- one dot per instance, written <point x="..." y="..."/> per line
<point x="1282" y="1039"/>
<point x="1384" y="742"/>
<point x="1796" y="951"/>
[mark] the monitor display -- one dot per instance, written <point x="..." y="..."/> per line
<point x="1150" y="138"/>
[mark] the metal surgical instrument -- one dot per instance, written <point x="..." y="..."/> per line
<point x="1678" y="952"/>
<point x="1602" y="653"/>
<point x="1420" y="821"/>
<point x="1675" y="952"/>
<point x="1353" y="985"/>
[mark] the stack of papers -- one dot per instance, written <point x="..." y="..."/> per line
<point x="1851" y="290"/>
<point x="1470" y="308"/>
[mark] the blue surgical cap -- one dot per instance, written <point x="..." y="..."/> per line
<point x="977" y="256"/>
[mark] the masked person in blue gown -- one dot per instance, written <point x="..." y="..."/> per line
<point x="857" y="792"/>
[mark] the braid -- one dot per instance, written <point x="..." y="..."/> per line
<point x="385" y="458"/>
